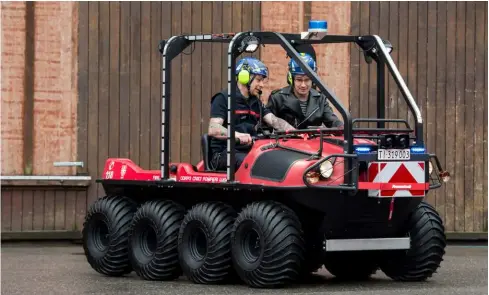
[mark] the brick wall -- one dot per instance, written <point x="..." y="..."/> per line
<point x="54" y="88"/>
<point x="280" y="17"/>
<point x="12" y="80"/>
<point x="333" y="60"/>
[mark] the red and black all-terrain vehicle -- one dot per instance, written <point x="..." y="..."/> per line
<point x="351" y="199"/>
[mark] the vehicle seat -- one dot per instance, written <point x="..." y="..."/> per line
<point x="206" y="152"/>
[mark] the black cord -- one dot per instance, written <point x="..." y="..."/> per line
<point x="192" y="49"/>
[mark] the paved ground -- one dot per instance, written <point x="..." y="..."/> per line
<point x="62" y="269"/>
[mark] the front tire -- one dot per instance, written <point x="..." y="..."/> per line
<point x="153" y="240"/>
<point x="105" y="235"/>
<point x="204" y="243"/>
<point x="268" y="246"/>
<point x="428" y="242"/>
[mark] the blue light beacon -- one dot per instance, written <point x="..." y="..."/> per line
<point x="318" y="26"/>
<point x="317" y="30"/>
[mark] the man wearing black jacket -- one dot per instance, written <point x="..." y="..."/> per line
<point x="299" y="103"/>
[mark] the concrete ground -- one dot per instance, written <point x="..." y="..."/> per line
<point x="62" y="269"/>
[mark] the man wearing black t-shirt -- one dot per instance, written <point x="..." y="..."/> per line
<point x="251" y="74"/>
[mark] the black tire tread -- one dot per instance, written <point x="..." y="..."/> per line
<point x="217" y="218"/>
<point x="284" y="255"/>
<point x="119" y="210"/>
<point x="428" y="242"/>
<point x="166" y="216"/>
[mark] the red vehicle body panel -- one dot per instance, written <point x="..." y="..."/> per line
<point x="401" y="180"/>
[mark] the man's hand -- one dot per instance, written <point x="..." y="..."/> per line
<point x="244" y="138"/>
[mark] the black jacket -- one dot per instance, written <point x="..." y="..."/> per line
<point x="285" y="105"/>
<point x="247" y="117"/>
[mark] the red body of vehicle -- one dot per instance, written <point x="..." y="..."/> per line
<point x="381" y="179"/>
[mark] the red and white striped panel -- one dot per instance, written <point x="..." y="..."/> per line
<point x="398" y="179"/>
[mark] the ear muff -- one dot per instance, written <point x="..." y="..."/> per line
<point x="244" y="77"/>
<point x="289" y="78"/>
<point x="244" y="74"/>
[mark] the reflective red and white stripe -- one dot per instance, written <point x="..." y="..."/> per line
<point x="396" y="179"/>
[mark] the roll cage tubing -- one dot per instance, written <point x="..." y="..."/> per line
<point x="175" y="45"/>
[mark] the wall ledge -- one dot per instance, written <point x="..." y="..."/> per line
<point x="45" y="180"/>
<point x="41" y="235"/>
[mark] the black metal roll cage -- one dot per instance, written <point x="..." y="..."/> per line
<point x="374" y="49"/>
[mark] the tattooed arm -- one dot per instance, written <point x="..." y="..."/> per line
<point x="216" y="130"/>
<point x="277" y="123"/>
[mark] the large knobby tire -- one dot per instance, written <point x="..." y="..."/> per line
<point x="354" y="265"/>
<point x="105" y="235"/>
<point x="268" y="247"/>
<point x="153" y="240"/>
<point x="428" y="242"/>
<point x="204" y="243"/>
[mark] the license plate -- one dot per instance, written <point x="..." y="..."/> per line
<point x="392" y="154"/>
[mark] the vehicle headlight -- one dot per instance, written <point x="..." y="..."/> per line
<point x="430" y="167"/>
<point x="326" y="169"/>
<point x="312" y="177"/>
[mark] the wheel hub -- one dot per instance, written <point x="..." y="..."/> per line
<point x="198" y="244"/>
<point x="251" y="246"/>
<point x="100" y="234"/>
<point x="148" y="241"/>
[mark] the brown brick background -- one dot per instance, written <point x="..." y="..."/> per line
<point x="12" y="79"/>
<point x="280" y="17"/>
<point x="333" y="60"/>
<point x="55" y="90"/>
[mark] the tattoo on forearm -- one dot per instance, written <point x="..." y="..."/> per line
<point x="277" y="123"/>
<point x="216" y="129"/>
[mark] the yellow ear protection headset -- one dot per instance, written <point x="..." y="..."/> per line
<point x="290" y="80"/>
<point x="244" y="74"/>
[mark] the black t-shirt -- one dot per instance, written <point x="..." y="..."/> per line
<point x="247" y="115"/>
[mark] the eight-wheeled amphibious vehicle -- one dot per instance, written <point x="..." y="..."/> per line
<point x="350" y="199"/>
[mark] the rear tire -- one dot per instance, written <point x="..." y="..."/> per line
<point x="105" y="235"/>
<point x="153" y="240"/>
<point x="204" y="243"/>
<point x="268" y="246"/>
<point x="428" y="243"/>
